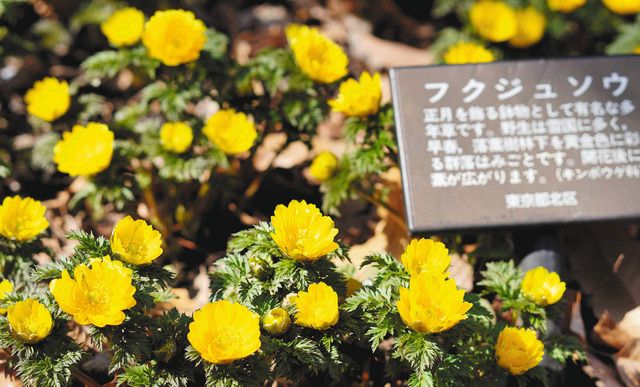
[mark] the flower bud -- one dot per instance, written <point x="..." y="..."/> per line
<point x="276" y="322"/>
<point x="259" y="268"/>
<point x="167" y="351"/>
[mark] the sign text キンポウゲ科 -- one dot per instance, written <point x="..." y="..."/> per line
<point x="516" y="143"/>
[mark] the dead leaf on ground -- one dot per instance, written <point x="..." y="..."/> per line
<point x="628" y="363"/>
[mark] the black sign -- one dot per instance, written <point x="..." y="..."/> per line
<point x="523" y="142"/>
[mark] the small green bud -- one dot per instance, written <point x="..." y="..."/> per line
<point x="276" y="322"/>
<point x="167" y="351"/>
<point x="259" y="268"/>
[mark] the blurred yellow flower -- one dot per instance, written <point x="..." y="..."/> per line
<point x="432" y="303"/>
<point x="426" y="255"/>
<point x="6" y="287"/>
<point x="176" y="136"/>
<point x="124" y="27"/>
<point x="317" y="56"/>
<point x="353" y="285"/>
<point x="276" y="321"/>
<point x="565" y="6"/>
<point x="493" y="20"/>
<point x="542" y="287"/>
<point x="317" y="307"/>
<point x="518" y="350"/>
<point x="22" y="219"/>
<point x="29" y="321"/>
<point x="136" y="242"/>
<point x="323" y="166"/>
<point x="301" y="232"/>
<point x="358" y="98"/>
<point x="48" y="99"/>
<point x="637" y="50"/>
<point x="96" y="295"/>
<point x="222" y="332"/>
<point x="230" y="131"/>
<point x="623" y="7"/>
<point x="531" y="26"/>
<point x="174" y="36"/>
<point x="85" y="150"/>
<point x="467" y="52"/>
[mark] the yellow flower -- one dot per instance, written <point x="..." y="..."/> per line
<point x="124" y="27"/>
<point x="565" y="6"/>
<point x="223" y="331"/>
<point x="531" y="25"/>
<point x="96" y="295"/>
<point x="623" y="7"/>
<point x="276" y="322"/>
<point x="316" y="55"/>
<point x="176" y="136"/>
<point x="301" y="232"/>
<point x="518" y="350"/>
<point x="48" y="99"/>
<point x="432" y="303"/>
<point x="84" y="151"/>
<point x="174" y="36"/>
<point x="493" y="20"/>
<point x="317" y="307"/>
<point x="6" y="287"/>
<point x="358" y="98"/>
<point x="426" y="255"/>
<point x="467" y="52"/>
<point x="22" y="219"/>
<point x="230" y="131"/>
<point x="323" y="166"/>
<point x="637" y="50"/>
<point x="136" y="242"/>
<point x="542" y="287"/>
<point x="29" y="321"/>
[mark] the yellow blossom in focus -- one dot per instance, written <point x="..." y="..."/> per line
<point x="276" y="321"/>
<point x="318" y="57"/>
<point x="85" y="150"/>
<point x="531" y="26"/>
<point x="317" y="307"/>
<point x="48" y="99"/>
<point x="432" y="303"/>
<point x="467" y="52"/>
<point x="124" y="27"/>
<point x="22" y="219"/>
<point x="176" y="136"/>
<point x="222" y="332"/>
<point x="542" y="287"/>
<point x="358" y="98"/>
<point x="301" y="232"/>
<point x="518" y="350"/>
<point x="623" y="7"/>
<point x="174" y="36"/>
<point x="232" y="132"/>
<point x="426" y="255"/>
<point x="493" y="20"/>
<point x="29" y="321"/>
<point x="6" y="287"/>
<point x="323" y="166"/>
<point x="136" y="242"/>
<point x="565" y="6"/>
<point x="97" y="295"/>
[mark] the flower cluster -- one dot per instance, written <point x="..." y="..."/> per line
<point x="280" y="307"/>
<point x="511" y="27"/>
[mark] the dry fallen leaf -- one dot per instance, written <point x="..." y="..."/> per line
<point x="628" y="363"/>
